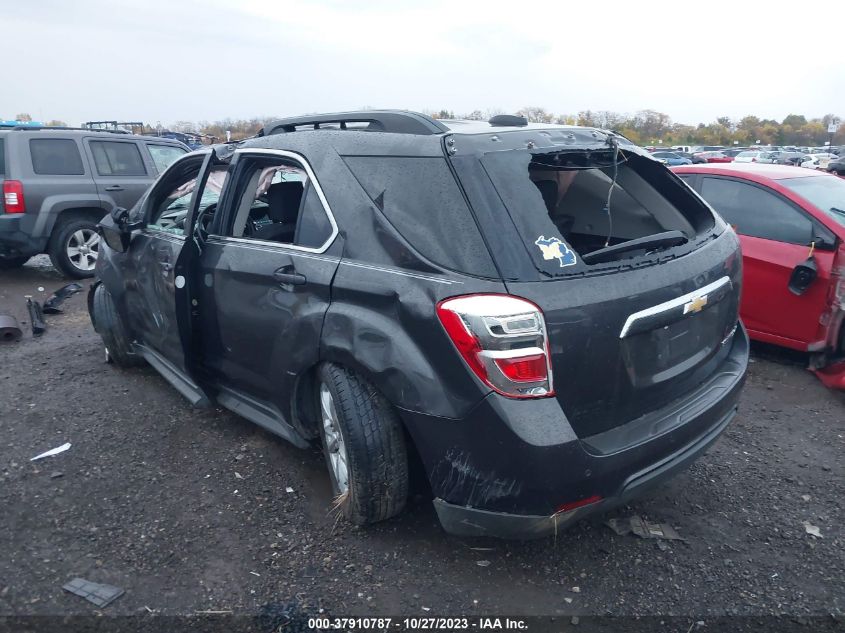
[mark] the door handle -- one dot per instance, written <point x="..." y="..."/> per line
<point x="114" y="188"/>
<point x="288" y="275"/>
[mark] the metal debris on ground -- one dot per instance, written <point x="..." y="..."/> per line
<point x="644" y="529"/>
<point x="52" y="451"/>
<point x="483" y="563"/>
<point x="99" y="594"/>
<point x="812" y="530"/>
<point x="10" y="330"/>
<point x="36" y="316"/>
<point x="54" y="302"/>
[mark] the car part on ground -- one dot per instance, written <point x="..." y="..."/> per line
<point x="10" y="329"/>
<point x="94" y="592"/>
<point x="560" y="335"/>
<point x="53" y="303"/>
<point x="36" y="317"/>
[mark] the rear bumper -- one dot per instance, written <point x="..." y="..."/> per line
<point x="509" y="477"/>
<point x="16" y="239"/>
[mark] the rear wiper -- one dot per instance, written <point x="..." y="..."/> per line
<point x="658" y="240"/>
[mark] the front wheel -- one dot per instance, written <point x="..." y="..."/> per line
<point x="364" y="446"/>
<point x="112" y="330"/>
<point x="74" y="248"/>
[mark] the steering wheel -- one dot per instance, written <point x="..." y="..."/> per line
<point x="204" y="221"/>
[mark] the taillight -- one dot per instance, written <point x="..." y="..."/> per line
<point x="503" y="340"/>
<point x="13" y="196"/>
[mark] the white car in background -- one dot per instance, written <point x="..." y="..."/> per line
<point x="749" y="156"/>
<point x="819" y="160"/>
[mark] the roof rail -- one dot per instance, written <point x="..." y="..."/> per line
<point x="394" y="121"/>
<point x="37" y="128"/>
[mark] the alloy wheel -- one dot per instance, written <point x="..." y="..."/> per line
<point x="83" y="247"/>
<point x="335" y="447"/>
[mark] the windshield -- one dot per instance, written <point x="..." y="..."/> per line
<point x="825" y="192"/>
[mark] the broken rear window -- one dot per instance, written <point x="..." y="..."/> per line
<point x="575" y="209"/>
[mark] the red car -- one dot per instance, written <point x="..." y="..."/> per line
<point x="715" y="157"/>
<point x="791" y="223"/>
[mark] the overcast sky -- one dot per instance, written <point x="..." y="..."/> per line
<point x="169" y="60"/>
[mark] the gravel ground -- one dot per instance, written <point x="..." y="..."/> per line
<point x="191" y="510"/>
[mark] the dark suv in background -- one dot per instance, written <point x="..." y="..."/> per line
<point x="545" y="315"/>
<point x="58" y="183"/>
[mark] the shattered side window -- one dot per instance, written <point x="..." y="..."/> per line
<point x="171" y="213"/>
<point x="421" y="199"/>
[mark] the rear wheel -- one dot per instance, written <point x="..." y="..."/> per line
<point x="74" y="247"/>
<point x="364" y="446"/>
<point x="9" y="263"/>
<point x="113" y="331"/>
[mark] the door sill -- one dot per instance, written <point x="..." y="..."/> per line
<point x="263" y="414"/>
<point x="175" y="376"/>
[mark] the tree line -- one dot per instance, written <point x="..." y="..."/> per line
<point x="645" y="127"/>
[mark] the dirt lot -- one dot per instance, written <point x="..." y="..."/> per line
<point x="192" y="510"/>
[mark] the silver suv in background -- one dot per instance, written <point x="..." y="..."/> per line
<point x="58" y="183"/>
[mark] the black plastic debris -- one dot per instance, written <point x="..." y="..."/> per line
<point x="101" y="595"/>
<point x="54" y="301"/>
<point x="36" y="316"/>
<point x="10" y="330"/>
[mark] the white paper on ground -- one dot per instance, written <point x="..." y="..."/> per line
<point x="52" y="451"/>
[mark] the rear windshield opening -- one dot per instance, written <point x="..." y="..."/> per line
<point x="575" y="189"/>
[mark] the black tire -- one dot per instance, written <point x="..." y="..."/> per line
<point x="375" y="447"/>
<point x="60" y="240"/>
<point x="10" y="263"/>
<point x="111" y="329"/>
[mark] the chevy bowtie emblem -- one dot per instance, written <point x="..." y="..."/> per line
<point x="695" y="305"/>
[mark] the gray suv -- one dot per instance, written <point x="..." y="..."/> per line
<point x="58" y="183"/>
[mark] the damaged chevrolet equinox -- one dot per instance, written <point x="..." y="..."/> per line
<point x="542" y="316"/>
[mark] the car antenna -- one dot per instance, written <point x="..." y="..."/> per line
<point x="614" y="144"/>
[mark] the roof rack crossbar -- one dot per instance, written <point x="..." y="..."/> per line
<point x="393" y="121"/>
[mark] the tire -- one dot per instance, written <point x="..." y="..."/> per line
<point x="77" y="235"/>
<point x="112" y="330"/>
<point x="10" y="263"/>
<point x="372" y="439"/>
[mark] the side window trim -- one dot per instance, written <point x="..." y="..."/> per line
<point x="312" y="179"/>
<point x="813" y="222"/>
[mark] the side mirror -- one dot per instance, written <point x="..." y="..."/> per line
<point x="116" y="230"/>
<point x="803" y="275"/>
